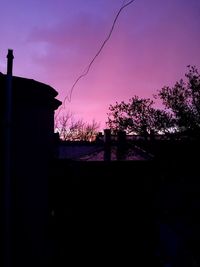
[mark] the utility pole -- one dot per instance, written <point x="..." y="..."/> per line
<point x="8" y="167"/>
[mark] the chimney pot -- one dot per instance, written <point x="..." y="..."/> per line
<point x="10" y="58"/>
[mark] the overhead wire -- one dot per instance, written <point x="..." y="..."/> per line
<point x="87" y="69"/>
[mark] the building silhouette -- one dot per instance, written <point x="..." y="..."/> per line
<point x="27" y="147"/>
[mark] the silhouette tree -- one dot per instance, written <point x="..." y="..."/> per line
<point x="181" y="113"/>
<point x="91" y="130"/>
<point x="182" y="101"/>
<point x="138" y="116"/>
<point x="71" y="130"/>
<point x="62" y="125"/>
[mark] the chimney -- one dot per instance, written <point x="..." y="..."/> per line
<point x="10" y="62"/>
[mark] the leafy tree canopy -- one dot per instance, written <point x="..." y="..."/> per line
<point x="138" y="116"/>
<point x="181" y="112"/>
<point x="183" y="101"/>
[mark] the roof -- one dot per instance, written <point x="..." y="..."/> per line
<point x="95" y="152"/>
<point x="31" y="91"/>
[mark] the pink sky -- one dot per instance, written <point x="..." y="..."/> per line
<point x="54" y="41"/>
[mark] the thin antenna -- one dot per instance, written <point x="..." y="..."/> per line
<point x="87" y="69"/>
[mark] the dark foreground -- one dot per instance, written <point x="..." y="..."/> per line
<point x="142" y="213"/>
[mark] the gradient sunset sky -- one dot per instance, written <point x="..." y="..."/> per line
<point x="54" y="41"/>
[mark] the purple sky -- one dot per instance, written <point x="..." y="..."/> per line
<point x="55" y="40"/>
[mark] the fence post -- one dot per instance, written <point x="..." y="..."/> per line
<point x="121" y="145"/>
<point x="107" y="144"/>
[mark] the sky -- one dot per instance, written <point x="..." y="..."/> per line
<point x="54" y="41"/>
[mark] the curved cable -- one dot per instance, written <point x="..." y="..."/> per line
<point x="85" y="72"/>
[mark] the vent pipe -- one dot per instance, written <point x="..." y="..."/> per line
<point x="8" y="165"/>
<point x="10" y="58"/>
